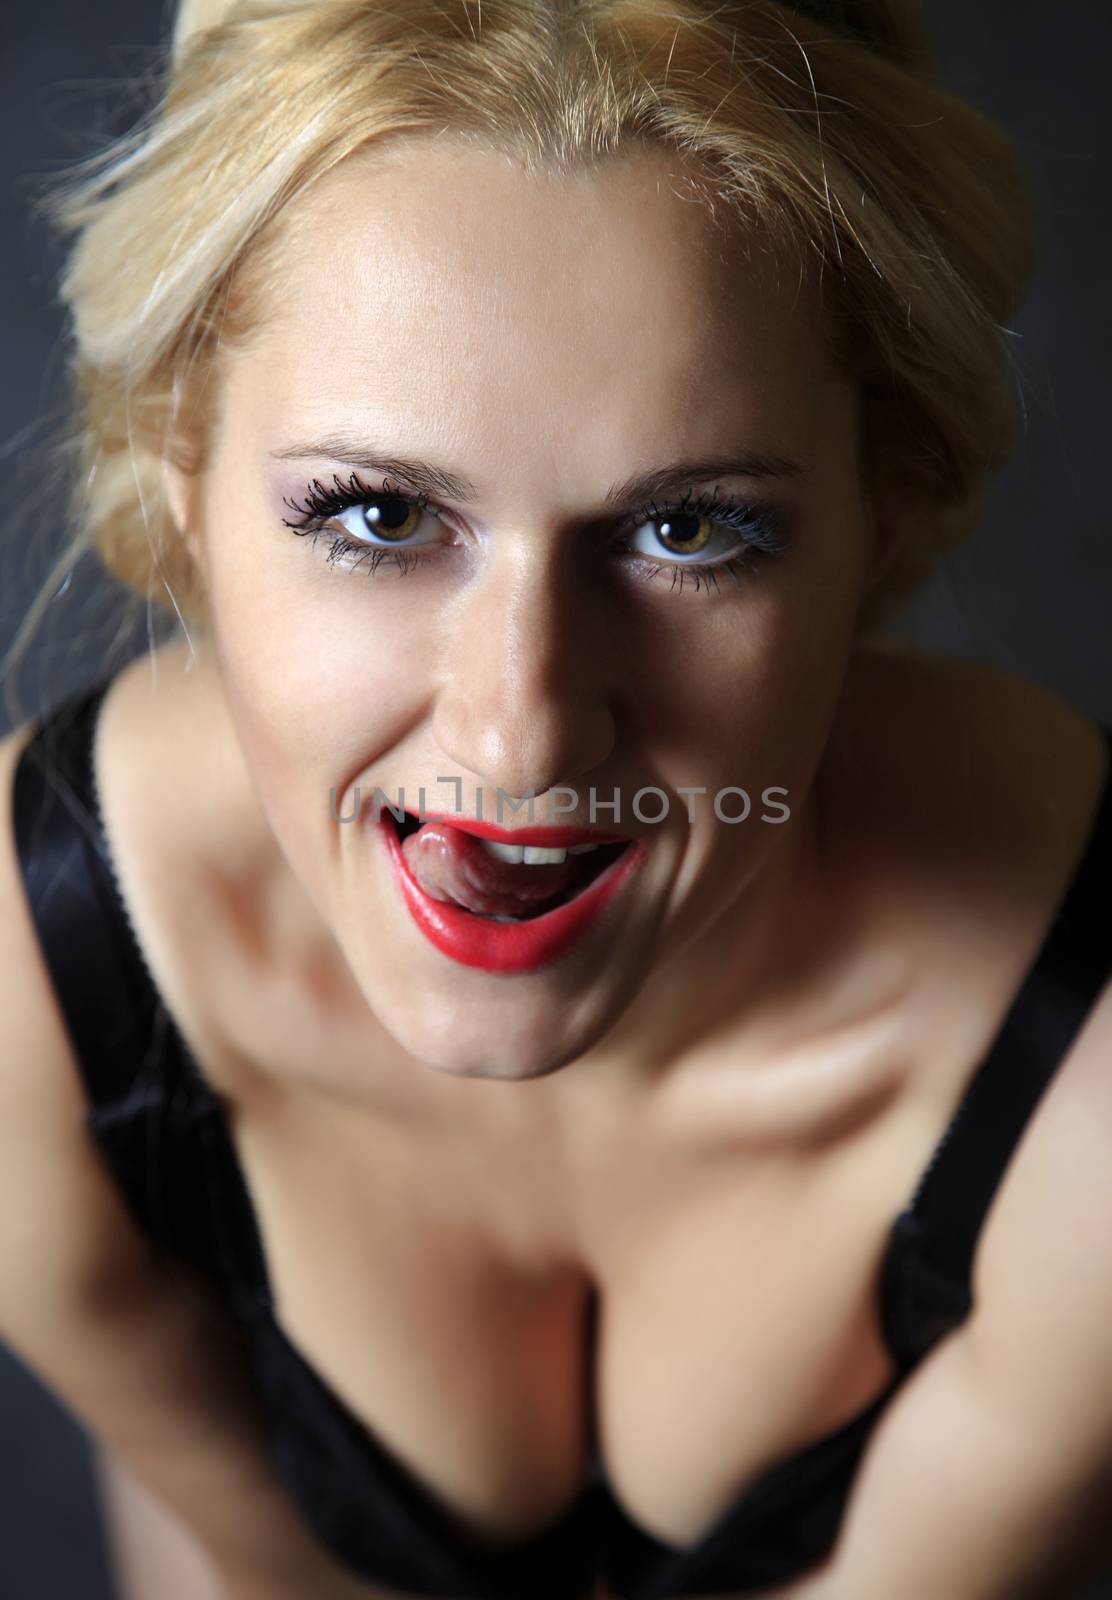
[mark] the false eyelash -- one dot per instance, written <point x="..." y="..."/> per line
<point x="760" y="529"/>
<point x="320" y="504"/>
<point x="758" y="526"/>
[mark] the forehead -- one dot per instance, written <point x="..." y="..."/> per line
<point x="441" y="267"/>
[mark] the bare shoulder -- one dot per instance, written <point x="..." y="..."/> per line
<point x="963" y="777"/>
<point x="978" y="791"/>
<point x="65" y="1237"/>
<point x="196" y="862"/>
<point x="1009" y="776"/>
<point x="167" y="760"/>
<point x="983" y="789"/>
<point x="233" y="941"/>
<point x="136" y="1343"/>
<point x="1042" y="1276"/>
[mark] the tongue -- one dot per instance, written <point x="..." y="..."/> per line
<point x="454" y="866"/>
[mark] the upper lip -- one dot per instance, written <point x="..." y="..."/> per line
<point x="547" y="838"/>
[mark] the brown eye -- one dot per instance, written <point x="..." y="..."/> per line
<point x="376" y="521"/>
<point x="390" y="516"/>
<point x="685" y="533"/>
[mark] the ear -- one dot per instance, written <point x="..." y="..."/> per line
<point x="181" y="491"/>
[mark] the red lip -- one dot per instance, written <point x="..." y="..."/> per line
<point x="523" y="946"/>
<point x="547" y="838"/>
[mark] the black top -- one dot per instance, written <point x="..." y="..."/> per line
<point x="162" y="1132"/>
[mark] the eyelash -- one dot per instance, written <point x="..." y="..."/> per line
<point x="759" y="527"/>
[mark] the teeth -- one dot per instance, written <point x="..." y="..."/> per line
<point x="535" y="856"/>
<point x="530" y="855"/>
<point x="504" y="852"/>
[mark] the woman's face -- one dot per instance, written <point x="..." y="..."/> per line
<point x="539" y="341"/>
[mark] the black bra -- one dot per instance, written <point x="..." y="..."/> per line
<point x="163" y="1134"/>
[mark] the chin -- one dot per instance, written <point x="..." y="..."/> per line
<point x="476" y="1042"/>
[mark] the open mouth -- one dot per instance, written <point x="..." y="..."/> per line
<point x="575" y="874"/>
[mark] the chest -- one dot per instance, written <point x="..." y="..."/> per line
<point x="502" y="1298"/>
<point x="498" y="1305"/>
<point x="499" y="1313"/>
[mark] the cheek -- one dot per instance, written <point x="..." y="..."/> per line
<point x="319" y="683"/>
<point x="749" y="698"/>
<point x="791" y="693"/>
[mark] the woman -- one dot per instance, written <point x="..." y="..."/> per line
<point x="697" y="1212"/>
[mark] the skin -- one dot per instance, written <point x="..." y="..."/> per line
<point x="545" y="337"/>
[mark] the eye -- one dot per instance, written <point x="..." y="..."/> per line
<point x="366" y="526"/>
<point x="381" y="520"/>
<point x="703" y="531"/>
<point x="702" y="536"/>
<point x="679" y="533"/>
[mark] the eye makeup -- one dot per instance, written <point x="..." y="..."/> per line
<point x="384" y="519"/>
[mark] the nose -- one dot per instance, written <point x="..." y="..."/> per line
<point x="526" y="702"/>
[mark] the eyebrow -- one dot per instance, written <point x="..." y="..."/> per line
<point x="426" y="477"/>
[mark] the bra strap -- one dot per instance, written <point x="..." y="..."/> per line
<point x="153" y="1118"/>
<point x="927" y="1269"/>
<point x="106" y="998"/>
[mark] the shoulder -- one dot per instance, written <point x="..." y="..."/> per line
<point x="960" y="779"/>
<point x="177" y="795"/>
<point x="971" y="795"/>
<point x="975" y="793"/>
<point x="215" y="905"/>
<point x="65" y="1237"/>
<point x="1035" y="1409"/>
<point x="1004" y="779"/>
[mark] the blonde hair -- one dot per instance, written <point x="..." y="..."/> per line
<point x="820" y="126"/>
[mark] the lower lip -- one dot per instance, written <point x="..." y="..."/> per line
<point x="475" y="941"/>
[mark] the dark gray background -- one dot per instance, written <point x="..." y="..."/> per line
<point x="1032" y="592"/>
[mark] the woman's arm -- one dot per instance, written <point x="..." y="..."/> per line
<point x="149" y="1551"/>
<point x="989" y="1477"/>
<point x="965" y="1498"/>
<point x="138" y="1348"/>
<point x="157" y="1377"/>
